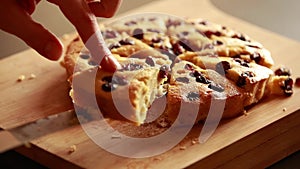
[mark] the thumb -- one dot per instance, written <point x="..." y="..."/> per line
<point x="18" y="22"/>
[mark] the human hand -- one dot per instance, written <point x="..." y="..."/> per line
<point x="15" y="16"/>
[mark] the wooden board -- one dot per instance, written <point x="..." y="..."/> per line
<point x="257" y="140"/>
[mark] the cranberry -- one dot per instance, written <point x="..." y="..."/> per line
<point x="242" y="62"/>
<point x="193" y="96"/>
<point x="199" y="77"/>
<point x="248" y="74"/>
<point x="240" y="36"/>
<point x="150" y="61"/>
<point x="174" y="23"/>
<point x="189" y="67"/>
<point x="108" y="85"/>
<point x="169" y="53"/>
<point x="177" y="48"/>
<point x="127" y="42"/>
<point x="289" y="82"/>
<point x="138" y="33"/>
<point x="236" y="56"/>
<point x="109" y="34"/>
<point x="210" y="33"/>
<point x="288" y="86"/>
<point x="153" y="30"/>
<point x="217" y="43"/>
<point x="222" y="67"/>
<point x="183" y="79"/>
<point x="186" y="44"/>
<point x="152" y="19"/>
<point x="283" y="71"/>
<point x="114" y="45"/>
<point x="132" y="66"/>
<point x="130" y="23"/>
<point x="202" y="79"/>
<point x="185" y="33"/>
<point x="216" y="87"/>
<point x="203" y="22"/>
<point x="254" y="46"/>
<point x="242" y="79"/>
<point x="157" y="40"/>
<point x="256" y="57"/>
<point x="164" y="71"/>
<point x="245" y="64"/>
<point x="196" y="73"/>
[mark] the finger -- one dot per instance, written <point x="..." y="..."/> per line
<point x="107" y="61"/>
<point x="18" y="22"/>
<point x="79" y="14"/>
<point x="105" y="8"/>
<point x="28" y="5"/>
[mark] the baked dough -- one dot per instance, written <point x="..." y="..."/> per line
<point x="192" y="62"/>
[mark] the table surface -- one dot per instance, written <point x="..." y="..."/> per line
<point x="239" y="141"/>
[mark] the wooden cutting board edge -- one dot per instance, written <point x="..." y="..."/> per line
<point x="36" y="148"/>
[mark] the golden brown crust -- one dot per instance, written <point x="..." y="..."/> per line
<point x="72" y="54"/>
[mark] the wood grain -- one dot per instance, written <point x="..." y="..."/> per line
<point x="264" y="136"/>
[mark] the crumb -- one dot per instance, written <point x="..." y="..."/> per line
<point x="157" y="158"/>
<point x="163" y="123"/>
<point x="297" y="83"/>
<point x="32" y="76"/>
<point x="249" y="94"/>
<point x="182" y="148"/>
<point x="62" y="63"/>
<point x="72" y="148"/>
<point x="195" y="141"/>
<point x="245" y="113"/>
<point x="115" y="137"/>
<point x="27" y="145"/>
<point x="21" y="78"/>
<point x="284" y="109"/>
<point x="152" y="133"/>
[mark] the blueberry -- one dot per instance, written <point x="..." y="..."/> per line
<point x="150" y="61"/>
<point x="182" y="79"/>
<point x="193" y="96"/>
<point x="216" y="87"/>
<point x="138" y="33"/>
<point x="222" y="67"/>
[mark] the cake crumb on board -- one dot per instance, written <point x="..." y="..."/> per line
<point x="72" y="149"/>
<point x="182" y="148"/>
<point x="32" y="76"/>
<point x="21" y="78"/>
<point x="245" y="113"/>
<point x="195" y="141"/>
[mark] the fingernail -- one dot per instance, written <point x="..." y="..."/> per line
<point x="52" y="51"/>
<point x="110" y="64"/>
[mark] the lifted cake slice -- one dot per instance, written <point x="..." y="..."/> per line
<point x="126" y="94"/>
